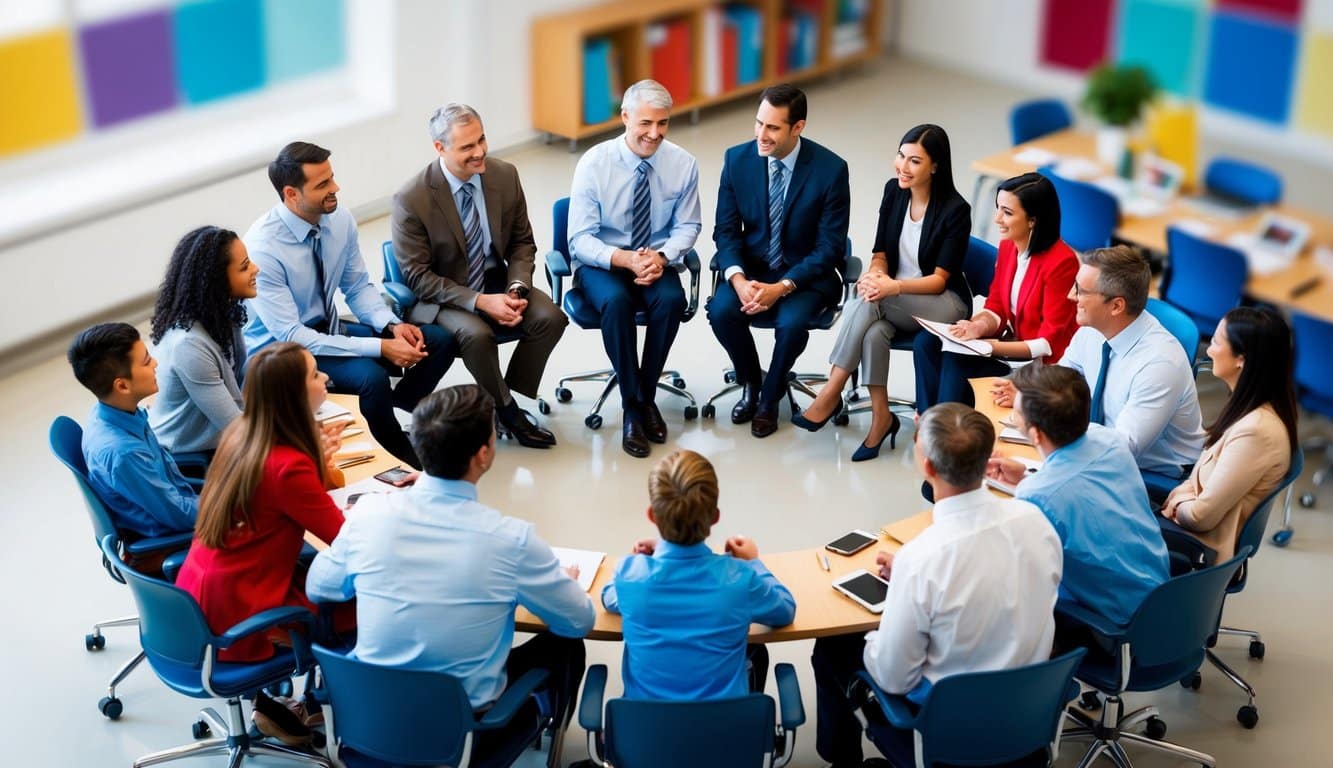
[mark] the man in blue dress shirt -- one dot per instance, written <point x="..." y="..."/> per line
<point x="437" y="575"/>
<point x="687" y="611"/>
<point x="307" y="249"/>
<point x="128" y="469"/>
<point x="1090" y="490"/>
<point x="634" y="213"/>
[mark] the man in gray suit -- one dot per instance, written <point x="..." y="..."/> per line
<point x="462" y="238"/>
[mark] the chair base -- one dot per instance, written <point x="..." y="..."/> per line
<point x="1110" y="733"/>
<point x="670" y="382"/>
<point x="1308" y="499"/>
<point x="111" y="706"/>
<point x="796" y="382"/>
<point x="234" y="740"/>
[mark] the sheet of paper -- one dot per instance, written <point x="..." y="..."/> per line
<point x="975" y="347"/>
<point x="1079" y="169"/>
<point x="369" y="485"/>
<point x="1011" y="435"/>
<point x="330" y="410"/>
<point x="1035" y="156"/>
<point x="1260" y="260"/>
<point x="587" y="561"/>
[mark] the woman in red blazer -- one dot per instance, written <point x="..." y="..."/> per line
<point x="265" y="488"/>
<point x="1028" y="313"/>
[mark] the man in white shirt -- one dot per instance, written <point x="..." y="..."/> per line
<point x="974" y="592"/>
<point x="437" y="575"/>
<point x="1141" y="379"/>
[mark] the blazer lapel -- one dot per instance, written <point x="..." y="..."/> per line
<point x="1031" y="279"/>
<point x="798" y="176"/>
<point x="444" y="200"/>
<point x="490" y="187"/>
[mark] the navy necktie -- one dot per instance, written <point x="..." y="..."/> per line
<point x="1098" y="414"/>
<point x="640" y="237"/>
<point x="476" y="258"/>
<point x="777" y="188"/>
<point x="325" y="297"/>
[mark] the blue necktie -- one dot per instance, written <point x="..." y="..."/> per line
<point x="642" y="213"/>
<point x="1098" y="412"/>
<point x="317" y="255"/>
<point x="476" y="258"/>
<point x="777" y="188"/>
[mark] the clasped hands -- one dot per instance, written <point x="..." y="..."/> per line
<point x="876" y="284"/>
<point x="755" y="296"/>
<point x="406" y="348"/>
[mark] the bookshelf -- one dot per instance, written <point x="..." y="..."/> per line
<point x="707" y="52"/>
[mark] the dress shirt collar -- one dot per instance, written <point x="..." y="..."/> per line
<point x="789" y="160"/>
<point x="439" y="486"/>
<point x="631" y="160"/>
<point x="1125" y="340"/>
<point x="299" y="227"/>
<point x="666" y="549"/>
<point x="456" y="183"/>
<point x="135" y="423"/>
<point x="960" y="508"/>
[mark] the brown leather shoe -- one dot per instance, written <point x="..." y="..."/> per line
<point x="765" y="420"/>
<point x="653" y="424"/>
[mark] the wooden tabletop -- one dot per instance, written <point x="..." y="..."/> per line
<point x="1150" y="231"/>
<point x="998" y="416"/>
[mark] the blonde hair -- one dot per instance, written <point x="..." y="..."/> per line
<point x="682" y="490"/>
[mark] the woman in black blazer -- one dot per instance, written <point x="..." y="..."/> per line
<point x="916" y="269"/>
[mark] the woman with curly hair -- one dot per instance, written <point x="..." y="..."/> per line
<point x="198" y="340"/>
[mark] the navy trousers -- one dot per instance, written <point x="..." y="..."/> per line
<point x="941" y="377"/>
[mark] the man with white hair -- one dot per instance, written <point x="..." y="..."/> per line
<point x="634" y="213"/>
<point x="462" y="238"/>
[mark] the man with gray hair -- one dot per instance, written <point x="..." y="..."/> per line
<point x="462" y="238"/>
<point x="974" y="592"/>
<point x="634" y="212"/>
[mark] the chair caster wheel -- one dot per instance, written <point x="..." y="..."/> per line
<point x="729" y="377"/>
<point x="110" y="707"/>
<point x="1247" y="716"/>
<point x="1308" y="500"/>
<point x="543" y="408"/>
<point x="1156" y="729"/>
<point x="1090" y="701"/>
<point x="1193" y="682"/>
<point x="1283" y="537"/>
<point x="563" y="394"/>
<point x="678" y="383"/>
<point x="1257" y="649"/>
<point x="593" y="421"/>
<point x="842" y="420"/>
<point x="200" y="729"/>
<point x="94" y="642"/>
<point x="709" y="411"/>
<point x="691" y="412"/>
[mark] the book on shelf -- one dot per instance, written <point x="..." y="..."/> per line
<point x="599" y="101"/>
<point x="749" y="25"/>
<point x="671" y="54"/>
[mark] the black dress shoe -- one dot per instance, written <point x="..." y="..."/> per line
<point x="745" y="407"/>
<point x="765" y="420"/>
<point x="520" y="425"/>
<point x="635" y="442"/>
<point x="653" y="425"/>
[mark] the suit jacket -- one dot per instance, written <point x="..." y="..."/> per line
<point x="814" y="223"/>
<point x="428" y="241"/>
<point x="1044" y="309"/>
<point x="944" y="235"/>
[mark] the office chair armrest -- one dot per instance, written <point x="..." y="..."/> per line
<point x="791" y="712"/>
<point x="852" y="272"/>
<point x="557" y="269"/>
<point x="895" y="708"/>
<point x="288" y="614"/>
<point x="171" y="543"/>
<point x="401" y="296"/>
<point x="594" y="693"/>
<point x="518" y="692"/>
<point x="1092" y="620"/>
<point x="692" y="266"/>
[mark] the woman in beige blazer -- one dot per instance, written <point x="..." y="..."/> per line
<point x="1249" y="447"/>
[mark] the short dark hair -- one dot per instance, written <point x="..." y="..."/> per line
<point x="450" y="426"/>
<point x="958" y="441"/>
<point x="101" y="354"/>
<point x="789" y="96"/>
<point x="286" y="171"/>
<point x="1037" y="195"/>
<point x="1055" y="400"/>
<point x="1122" y="271"/>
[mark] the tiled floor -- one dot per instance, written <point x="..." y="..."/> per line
<point x="789" y="491"/>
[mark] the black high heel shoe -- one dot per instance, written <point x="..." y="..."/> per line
<point x="866" y="453"/>
<point x="801" y="421"/>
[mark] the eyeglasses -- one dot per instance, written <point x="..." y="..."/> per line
<point x="1080" y="293"/>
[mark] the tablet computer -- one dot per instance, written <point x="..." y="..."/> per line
<point x="1281" y="235"/>
<point x="865" y="588"/>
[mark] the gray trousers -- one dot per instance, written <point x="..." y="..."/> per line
<point x="542" y="325"/>
<point x="868" y="327"/>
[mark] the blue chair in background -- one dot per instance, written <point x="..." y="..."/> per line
<point x="1203" y="279"/>
<point x="1089" y="214"/>
<point x="1033" y="119"/>
<point x="1242" y="182"/>
<point x="411" y="717"/>
<point x="559" y="266"/>
<point x="1314" y="388"/>
<point x="182" y="650"/>
<point x="950" y="729"/>
<point x="1162" y="644"/>
<point x="737" y="732"/>
<point x="66" y="440"/>
<point x="1178" y="324"/>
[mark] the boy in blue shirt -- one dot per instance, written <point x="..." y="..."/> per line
<point x="687" y="611"/>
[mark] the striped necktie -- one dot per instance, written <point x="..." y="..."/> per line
<point x="777" y="187"/>
<point x="476" y="258"/>
<point x="642" y="214"/>
<point x="325" y="295"/>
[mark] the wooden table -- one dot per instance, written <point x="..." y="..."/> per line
<point x="997" y="414"/>
<point x="1150" y="231"/>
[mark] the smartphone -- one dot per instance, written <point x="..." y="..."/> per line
<point x="865" y="588"/>
<point x="397" y="477"/>
<point x="851" y="543"/>
<point x="351" y="500"/>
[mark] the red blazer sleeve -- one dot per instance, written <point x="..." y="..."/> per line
<point x="997" y="298"/>
<point x="1057" y="311"/>
<point x="304" y="499"/>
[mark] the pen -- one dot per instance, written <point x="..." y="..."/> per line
<point x="1305" y="287"/>
<point x="823" y="561"/>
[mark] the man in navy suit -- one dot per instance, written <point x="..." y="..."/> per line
<point x="781" y="232"/>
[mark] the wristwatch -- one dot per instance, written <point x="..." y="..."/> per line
<point x="518" y="288"/>
<point x="788" y="285"/>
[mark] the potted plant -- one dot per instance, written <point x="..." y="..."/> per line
<point x="1116" y="96"/>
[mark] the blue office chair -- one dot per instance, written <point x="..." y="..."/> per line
<point x="1203" y="279"/>
<point x="1089" y="215"/>
<point x="66" y="439"/>
<point x="1033" y="119"/>
<point x="182" y="650"/>
<point x="401" y="299"/>
<point x="1242" y="182"/>
<point x="734" y="732"/>
<point x="796" y="382"/>
<point x="1162" y="644"/>
<point x="1251" y="537"/>
<point x="1314" y="388"/>
<point x="1178" y="324"/>
<point x="1028" y="722"/>
<point x="407" y="717"/>
<point x="558" y="267"/>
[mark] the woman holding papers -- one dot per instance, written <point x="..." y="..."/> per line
<point x="915" y="270"/>
<point x="1028" y="313"/>
<point x="1248" y="449"/>
<point x="265" y="488"/>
